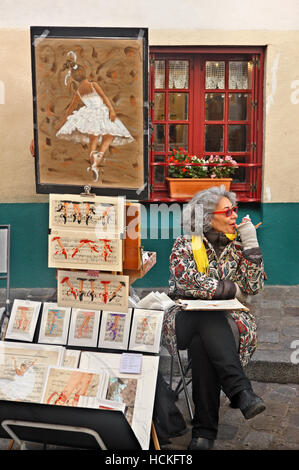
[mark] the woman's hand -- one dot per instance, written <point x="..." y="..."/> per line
<point x="247" y="233"/>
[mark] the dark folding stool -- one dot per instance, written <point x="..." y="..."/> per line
<point x="184" y="380"/>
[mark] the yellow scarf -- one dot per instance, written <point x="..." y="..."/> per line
<point x="200" y="254"/>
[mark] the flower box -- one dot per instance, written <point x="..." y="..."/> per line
<point x="187" y="187"/>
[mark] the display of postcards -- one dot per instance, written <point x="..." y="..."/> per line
<point x="84" y="327"/>
<point x="103" y="216"/>
<point x="84" y="250"/>
<point x="146" y="330"/>
<point x="54" y="324"/>
<point x="115" y="329"/>
<point x="23" y="320"/>
<point x="93" y="290"/>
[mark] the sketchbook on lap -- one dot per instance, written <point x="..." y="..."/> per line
<point x="197" y="304"/>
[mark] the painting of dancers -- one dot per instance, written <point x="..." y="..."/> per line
<point x="90" y="118"/>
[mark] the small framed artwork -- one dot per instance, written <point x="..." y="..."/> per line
<point x="146" y="330"/>
<point x="86" y="232"/>
<point x="23" y="369"/>
<point x="64" y="386"/>
<point x="84" y="327"/>
<point x="90" y="101"/>
<point x="103" y="216"/>
<point x="115" y="329"/>
<point x="23" y="320"/>
<point x="73" y="250"/>
<point x="93" y="290"/>
<point x="54" y="324"/>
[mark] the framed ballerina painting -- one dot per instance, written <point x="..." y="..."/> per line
<point x="90" y="102"/>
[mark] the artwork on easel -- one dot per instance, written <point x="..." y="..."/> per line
<point x="92" y="290"/>
<point x="64" y="386"/>
<point x="23" y="320"/>
<point x="54" y="324"/>
<point x="84" y="327"/>
<point x="146" y="330"/>
<point x="115" y="329"/>
<point x="91" y="125"/>
<point x="23" y="369"/>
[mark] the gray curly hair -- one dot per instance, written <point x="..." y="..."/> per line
<point x="197" y="216"/>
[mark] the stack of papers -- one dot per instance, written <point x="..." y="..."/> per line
<point x="195" y="304"/>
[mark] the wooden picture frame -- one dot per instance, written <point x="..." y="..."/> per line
<point x="90" y="100"/>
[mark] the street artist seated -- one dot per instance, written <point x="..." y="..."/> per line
<point x="223" y="263"/>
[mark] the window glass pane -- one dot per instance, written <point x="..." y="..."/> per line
<point x="159" y="107"/>
<point x="159" y="171"/>
<point x="240" y="174"/>
<point x="215" y="74"/>
<point x="178" y="74"/>
<point x="238" y="106"/>
<point x="240" y="75"/>
<point x="214" y="107"/>
<point x="159" y="142"/>
<point x="237" y="138"/>
<point x="213" y="138"/>
<point x="178" y="106"/>
<point x="159" y="74"/>
<point x="178" y="136"/>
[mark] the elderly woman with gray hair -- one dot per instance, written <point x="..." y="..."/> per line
<point x="214" y="260"/>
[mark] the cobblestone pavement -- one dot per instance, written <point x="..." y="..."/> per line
<point x="277" y="428"/>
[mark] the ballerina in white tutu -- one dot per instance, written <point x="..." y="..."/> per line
<point x="95" y="122"/>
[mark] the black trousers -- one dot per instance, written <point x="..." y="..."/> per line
<point x="215" y="364"/>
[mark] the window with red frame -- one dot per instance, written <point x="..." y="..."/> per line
<point x="207" y="102"/>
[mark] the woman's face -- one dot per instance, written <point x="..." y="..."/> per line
<point x="222" y="223"/>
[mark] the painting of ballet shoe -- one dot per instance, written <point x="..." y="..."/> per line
<point x="90" y="90"/>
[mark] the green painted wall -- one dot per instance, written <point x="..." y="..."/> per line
<point x="278" y="238"/>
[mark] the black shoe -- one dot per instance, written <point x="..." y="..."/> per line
<point x="249" y="403"/>
<point x="201" y="443"/>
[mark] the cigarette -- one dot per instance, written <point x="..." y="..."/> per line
<point x="258" y="225"/>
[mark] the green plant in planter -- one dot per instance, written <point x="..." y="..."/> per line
<point x="186" y="170"/>
<point x="225" y="166"/>
<point x="222" y="171"/>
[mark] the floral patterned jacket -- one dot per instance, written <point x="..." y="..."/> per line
<point x="233" y="264"/>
